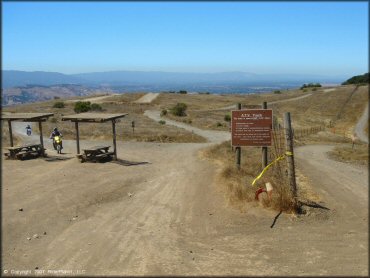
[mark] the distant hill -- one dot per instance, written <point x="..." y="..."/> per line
<point x="13" y="78"/>
<point x="35" y="93"/>
<point x="358" y="79"/>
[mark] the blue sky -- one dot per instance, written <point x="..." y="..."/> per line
<point x="329" y="38"/>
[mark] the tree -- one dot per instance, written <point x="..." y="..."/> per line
<point x="179" y="109"/>
<point x="82" y="106"/>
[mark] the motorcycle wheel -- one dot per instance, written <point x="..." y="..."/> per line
<point x="59" y="149"/>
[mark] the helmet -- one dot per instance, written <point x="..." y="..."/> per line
<point x="28" y="126"/>
<point x="55" y="128"/>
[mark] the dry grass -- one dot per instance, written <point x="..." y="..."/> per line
<point x="237" y="184"/>
<point x="337" y="106"/>
<point x="205" y="111"/>
<point x="359" y="154"/>
<point x="145" y="128"/>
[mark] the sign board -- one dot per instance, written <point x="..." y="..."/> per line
<point x="251" y="127"/>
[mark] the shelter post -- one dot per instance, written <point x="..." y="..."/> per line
<point x="10" y="132"/>
<point x="114" y="139"/>
<point x="77" y="138"/>
<point x="41" y="139"/>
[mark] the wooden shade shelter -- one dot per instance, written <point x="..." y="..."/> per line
<point x="94" y="118"/>
<point x="25" y="117"/>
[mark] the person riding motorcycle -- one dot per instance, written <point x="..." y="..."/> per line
<point x="56" y="132"/>
<point x="28" y="130"/>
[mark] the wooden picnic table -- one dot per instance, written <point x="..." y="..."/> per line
<point x="25" y="151"/>
<point x="96" y="153"/>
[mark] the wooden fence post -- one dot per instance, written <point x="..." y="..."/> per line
<point x="290" y="158"/>
<point x="238" y="149"/>
<point x="264" y="149"/>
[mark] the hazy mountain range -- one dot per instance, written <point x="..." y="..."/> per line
<point x="22" y="87"/>
<point x="12" y="78"/>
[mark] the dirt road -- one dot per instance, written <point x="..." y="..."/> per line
<point x="93" y="99"/>
<point x="147" y="98"/>
<point x="361" y="124"/>
<point x="210" y="135"/>
<point x="167" y="215"/>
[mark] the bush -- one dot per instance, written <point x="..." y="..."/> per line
<point x="59" y="104"/>
<point x="162" y="122"/>
<point x="314" y="89"/>
<point x="56" y="97"/>
<point x="183" y="92"/>
<point x="96" y="107"/>
<point x="163" y="112"/>
<point x="219" y="124"/>
<point x="227" y="118"/>
<point x="179" y="109"/>
<point x="277" y="92"/>
<point x="82" y="106"/>
<point x="311" y="85"/>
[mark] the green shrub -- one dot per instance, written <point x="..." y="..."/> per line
<point x="277" y="92"/>
<point x="82" y="106"/>
<point x="162" y="122"/>
<point x="183" y="92"/>
<point x="314" y="89"/>
<point x="179" y="109"/>
<point x="311" y="85"/>
<point x="56" y="97"/>
<point x="59" y="104"/>
<point x="163" y="112"/>
<point x="227" y="118"/>
<point x="219" y="124"/>
<point x="96" y="107"/>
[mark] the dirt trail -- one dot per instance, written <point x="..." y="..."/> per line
<point x="361" y="125"/>
<point x="147" y="98"/>
<point x="167" y="216"/>
<point x="210" y="135"/>
<point x="93" y="99"/>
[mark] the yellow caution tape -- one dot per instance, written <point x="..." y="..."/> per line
<point x="268" y="166"/>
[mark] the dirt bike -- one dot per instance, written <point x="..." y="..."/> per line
<point x="57" y="143"/>
<point x="28" y="131"/>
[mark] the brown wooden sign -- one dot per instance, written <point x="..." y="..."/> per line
<point x="251" y="127"/>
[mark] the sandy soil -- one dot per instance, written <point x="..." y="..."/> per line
<point x="147" y="98"/>
<point x="160" y="211"/>
<point x="93" y="99"/>
<point x="360" y="126"/>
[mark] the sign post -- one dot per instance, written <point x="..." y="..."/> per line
<point x="238" y="149"/>
<point x="264" y="149"/>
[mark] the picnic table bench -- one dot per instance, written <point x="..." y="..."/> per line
<point x="25" y="151"/>
<point x="95" y="154"/>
